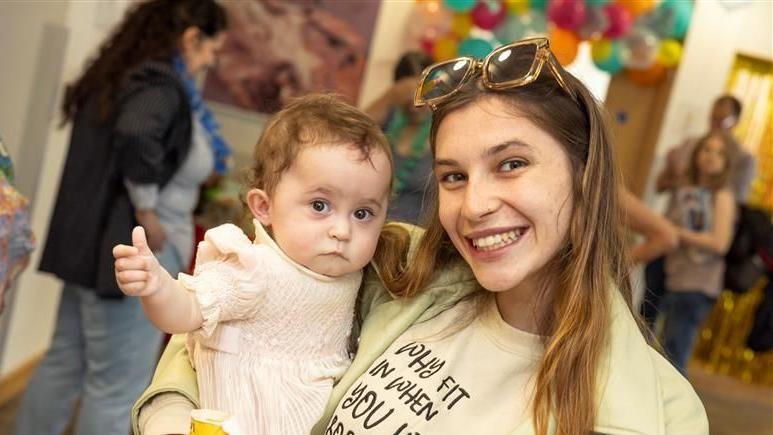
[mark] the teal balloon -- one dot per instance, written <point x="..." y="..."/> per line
<point x="614" y="62"/>
<point x="475" y="47"/>
<point x="596" y="3"/>
<point x="534" y="23"/>
<point x="512" y="29"/>
<point x="538" y="5"/>
<point x="682" y="19"/>
<point x="460" y="5"/>
<point x="675" y="16"/>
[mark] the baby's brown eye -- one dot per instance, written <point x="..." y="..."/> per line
<point x="362" y="214"/>
<point x="320" y="206"/>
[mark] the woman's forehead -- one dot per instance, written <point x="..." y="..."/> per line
<point x="480" y="126"/>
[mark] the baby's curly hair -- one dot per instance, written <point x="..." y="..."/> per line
<point x="316" y="119"/>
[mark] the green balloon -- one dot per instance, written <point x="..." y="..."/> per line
<point x="614" y="62"/>
<point x="512" y="29"/>
<point x="673" y="18"/>
<point x="596" y="3"/>
<point x="540" y="5"/>
<point x="460" y="5"/>
<point x="475" y="47"/>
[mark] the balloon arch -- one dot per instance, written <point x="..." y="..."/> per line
<point x="641" y="38"/>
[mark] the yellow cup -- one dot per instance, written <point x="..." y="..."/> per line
<point x="208" y="422"/>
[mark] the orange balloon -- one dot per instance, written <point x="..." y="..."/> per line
<point x="647" y="77"/>
<point x="461" y="24"/>
<point x="638" y="7"/>
<point x="446" y="47"/>
<point x="564" y="44"/>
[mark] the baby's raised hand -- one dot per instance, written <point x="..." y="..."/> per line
<point x="137" y="270"/>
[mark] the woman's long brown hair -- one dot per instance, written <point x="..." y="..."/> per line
<point x="591" y="265"/>
<point x="150" y="31"/>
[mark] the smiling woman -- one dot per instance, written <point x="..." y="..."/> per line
<point x="510" y="314"/>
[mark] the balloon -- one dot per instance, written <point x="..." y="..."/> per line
<point x="475" y="47"/>
<point x="669" y="20"/>
<point x="567" y="14"/>
<point x="640" y="48"/>
<point x="488" y="14"/>
<point x="446" y="47"/>
<point x="669" y="53"/>
<point x="427" y="22"/>
<point x="638" y="7"/>
<point x="678" y="14"/>
<point x="647" y="77"/>
<point x="596" y="22"/>
<point x="563" y="43"/>
<point x="534" y="23"/>
<point x="461" y="24"/>
<point x="427" y="45"/>
<point x="606" y="55"/>
<point x="460" y="5"/>
<point x="512" y="29"/>
<point x="596" y="3"/>
<point x="517" y="7"/>
<point x="538" y="5"/>
<point x="619" y="20"/>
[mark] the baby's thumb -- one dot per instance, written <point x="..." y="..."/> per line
<point x="140" y="241"/>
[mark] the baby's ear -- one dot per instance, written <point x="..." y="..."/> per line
<point x="259" y="204"/>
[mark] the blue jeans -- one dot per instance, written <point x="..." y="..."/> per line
<point x="102" y="353"/>
<point x="684" y="313"/>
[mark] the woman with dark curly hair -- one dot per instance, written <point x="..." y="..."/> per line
<point x="142" y="143"/>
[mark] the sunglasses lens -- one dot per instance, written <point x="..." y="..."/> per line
<point x="511" y="63"/>
<point x="443" y="79"/>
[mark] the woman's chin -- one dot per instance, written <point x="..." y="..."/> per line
<point x="497" y="282"/>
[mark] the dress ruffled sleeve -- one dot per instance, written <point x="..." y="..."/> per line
<point x="226" y="279"/>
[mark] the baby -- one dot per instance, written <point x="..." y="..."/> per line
<point x="270" y="320"/>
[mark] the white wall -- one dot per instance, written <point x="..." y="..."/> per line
<point x="36" y="296"/>
<point x="21" y="35"/>
<point x="21" y="30"/>
<point x="716" y="35"/>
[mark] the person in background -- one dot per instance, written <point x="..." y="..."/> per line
<point x="703" y="209"/>
<point x="16" y="238"/>
<point x="407" y="129"/>
<point x="142" y="143"/>
<point x="724" y="117"/>
<point x="659" y="235"/>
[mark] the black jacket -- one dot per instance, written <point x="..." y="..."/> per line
<point x="146" y="139"/>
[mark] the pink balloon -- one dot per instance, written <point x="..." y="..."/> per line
<point x="488" y="14"/>
<point x="427" y="44"/>
<point x="620" y="20"/>
<point x="567" y="14"/>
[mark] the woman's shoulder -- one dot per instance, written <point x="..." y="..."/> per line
<point x="156" y="77"/>
<point x="683" y="409"/>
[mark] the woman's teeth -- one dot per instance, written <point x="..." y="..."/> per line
<point x="498" y="241"/>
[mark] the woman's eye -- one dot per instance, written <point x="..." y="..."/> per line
<point x="320" y="206"/>
<point x="511" y="165"/>
<point x="363" y="214"/>
<point x="451" y="177"/>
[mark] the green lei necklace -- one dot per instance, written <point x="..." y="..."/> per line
<point x="395" y="127"/>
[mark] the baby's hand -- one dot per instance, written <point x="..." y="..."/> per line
<point x="137" y="270"/>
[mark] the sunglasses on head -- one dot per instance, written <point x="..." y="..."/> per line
<point x="509" y="66"/>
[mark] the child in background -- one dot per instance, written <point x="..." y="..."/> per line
<point x="270" y="320"/>
<point x="703" y="210"/>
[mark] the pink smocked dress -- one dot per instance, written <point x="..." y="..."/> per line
<point x="275" y="333"/>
